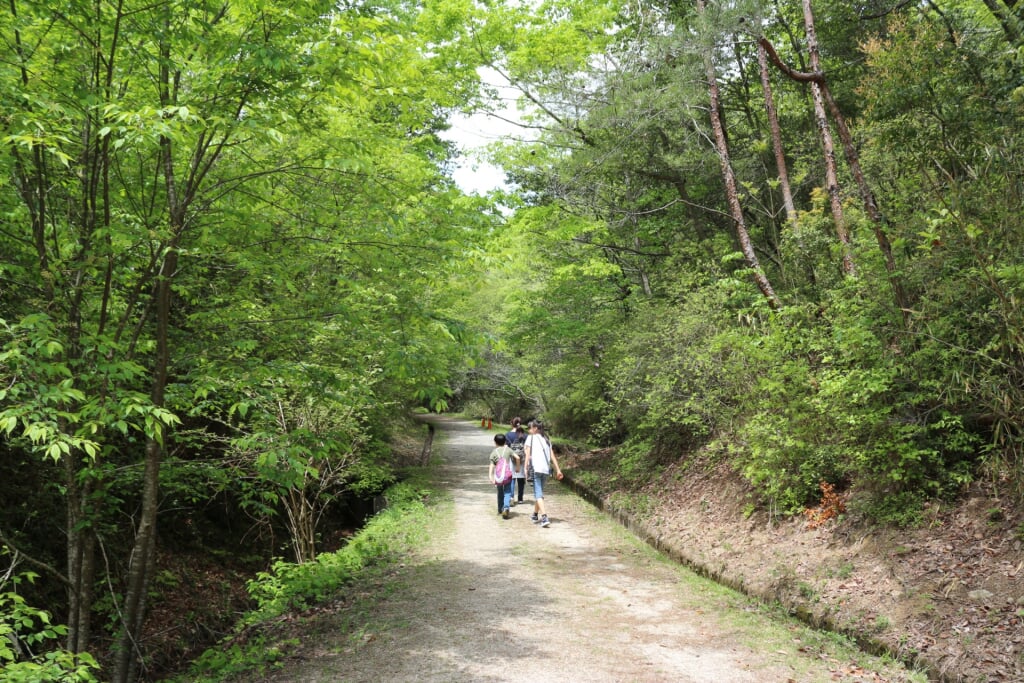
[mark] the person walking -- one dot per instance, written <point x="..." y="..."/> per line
<point x="540" y="454"/>
<point x="516" y="440"/>
<point x="500" y="473"/>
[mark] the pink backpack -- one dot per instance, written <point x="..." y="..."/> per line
<point x="503" y="468"/>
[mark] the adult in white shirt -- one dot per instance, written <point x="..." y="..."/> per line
<point x="542" y="456"/>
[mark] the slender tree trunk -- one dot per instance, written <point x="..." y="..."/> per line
<point x="645" y="281"/>
<point x="868" y="197"/>
<point x="776" y="134"/>
<point x="140" y="569"/>
<point x="729" y="178"/>
<point x="828" y="146"/>
<point x="32" y="176"/>
<point x="144" y="551"/>
<point x="74" y="548"/>
<point x="853" y="159"/>
<point x="81" y="558"/>
<point x="32" y="181"/>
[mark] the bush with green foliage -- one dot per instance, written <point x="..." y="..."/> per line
<point x="289" y="585"/>
<point x="29" y="650"/>
<point x="390" y="534"/>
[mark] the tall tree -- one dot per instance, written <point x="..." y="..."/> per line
<point x="155" y="204"/>
<point x="729" y="176"/>
<point x="828" y="147"/>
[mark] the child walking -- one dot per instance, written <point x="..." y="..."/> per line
<point x="503" y="463"/>
<point x="516" y="440"/>
<point x="542" y="456"/>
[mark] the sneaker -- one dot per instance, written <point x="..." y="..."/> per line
<point x="504" y="513"/>
<point x="534" y="518"/>
<point x="513" y="503"/>
<point x="544" y="521"/>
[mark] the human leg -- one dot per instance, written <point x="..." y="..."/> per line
<point x="538" y="492"/>
<point x="506" y="496"/>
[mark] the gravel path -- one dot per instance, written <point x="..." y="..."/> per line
<point x="506" y="600"/>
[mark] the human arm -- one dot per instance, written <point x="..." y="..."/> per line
<point x="554" y="461"/>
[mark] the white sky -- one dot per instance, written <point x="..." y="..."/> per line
<point x="471" y="134"/>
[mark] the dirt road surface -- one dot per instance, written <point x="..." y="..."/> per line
<point x="581" y="600"/>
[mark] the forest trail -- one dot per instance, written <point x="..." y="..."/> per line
<point x="507" y="600"/>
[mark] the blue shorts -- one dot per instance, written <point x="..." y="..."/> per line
<point x="538" y="485"/>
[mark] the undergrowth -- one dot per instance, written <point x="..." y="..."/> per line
<point x="387" y="538"/>
<point x="27" y="637"/>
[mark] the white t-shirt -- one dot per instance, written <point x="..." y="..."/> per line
<point x="540" y="453"/>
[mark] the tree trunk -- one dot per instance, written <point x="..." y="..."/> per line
<point x="32" y="179"/>
<point x="81" y="559"/>
<point x="645" y="281"/>
<point x="127" y="651"/>
<point x="776" y="135"/>
<point x="828" y="146"/>
<point x="729" y="178"/>
<point x="853" y="159"/>
<point x="870" y="205"/>
<point x="143" y="557"/>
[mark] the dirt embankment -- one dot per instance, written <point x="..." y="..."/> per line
<point x="947" y="597"/>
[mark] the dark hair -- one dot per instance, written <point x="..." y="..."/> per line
<point x="540" y="430"/>
<point x="517" y="422"/>
<point x="499" y="439"/>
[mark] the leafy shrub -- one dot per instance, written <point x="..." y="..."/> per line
<point x="295" y="586"/>
<point x="254" y="655"/>
<point x="288" y="585"/>
<point x="831" y="402"/>
<point x="673" y="375"/>
<point x="634" y="461"/>
<point x="32" y="628"/>
<point x="904" y="509"/>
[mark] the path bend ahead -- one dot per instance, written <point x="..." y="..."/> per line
<point x="505" y="600"/>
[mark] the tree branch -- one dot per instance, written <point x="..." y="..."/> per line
<point x="53" y="571"/>
<point x="802" y="76"/>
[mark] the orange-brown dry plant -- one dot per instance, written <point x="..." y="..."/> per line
<point x="831" y="506"/>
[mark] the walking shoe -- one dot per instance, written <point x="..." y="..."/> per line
<point x="504" y="513"/>
<point x="534" y="518"/>
<point x="513" y="503"/>
<point x="544" y="521"/>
